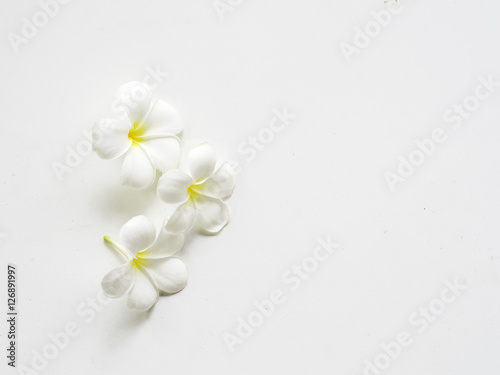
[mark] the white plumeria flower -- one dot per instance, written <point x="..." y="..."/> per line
<point x="200" y="192"/>
<point x="150" y="266"/>
<point x="146" y="135"/>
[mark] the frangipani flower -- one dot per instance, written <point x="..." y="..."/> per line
<point x="145" y="135"/>
<point x="150" y="266"/>
<point x="200" y="192"/>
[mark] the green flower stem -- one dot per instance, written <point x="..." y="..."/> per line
<point x="117" y="247"/>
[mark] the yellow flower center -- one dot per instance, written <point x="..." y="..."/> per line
<point x="193" y="191"/>
<point x="136" y="262"/>
<point x="137" y="132"/>
<point x="139" y="260"/>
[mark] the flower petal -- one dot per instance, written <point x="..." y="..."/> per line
<point x="137" y="170"/>
<point x="220" y="184"/>
<point x="144" y="294"/>
<point x="164" y="152"/>
<point x="135" y="99"/>
<point x="162" y="120"/>
<point x="170" y="274"/>
<point x="110" y="137"/>
<point x="137" y="234"/>
<point x="212" y="213"/>
<point x="201" y="162"/>
<point x="119" y="281"/>
<point x="166" y="245"/>
<point x="173" y="186"/>
<point x="182" y="219"/>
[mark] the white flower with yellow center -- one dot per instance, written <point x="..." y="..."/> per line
<point x="150" y="266"/>
<point x="200" y="192"/>
<point x="145" y="135"/>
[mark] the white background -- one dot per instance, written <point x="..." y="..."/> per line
<point x="323" y="175"/>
